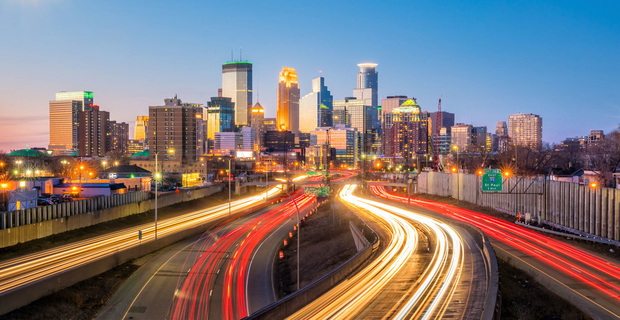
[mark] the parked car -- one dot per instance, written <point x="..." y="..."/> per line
<point x="66" y="198"/>
<point x="55" y="198"/>
<point x="44" y="202"/>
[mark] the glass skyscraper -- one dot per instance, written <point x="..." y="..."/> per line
<point x="367" y="90"/>
<point x="220" y="116"/>
<point x="64" y="120"/>
<point x="315" y="108"/>
<point x="237" y="85"/>
<point x="288" y="101"/>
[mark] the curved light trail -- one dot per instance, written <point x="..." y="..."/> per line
<point x="231" y="253"/>
<point x="429" y="295"/>
<point x="28" y="269"/>
<point x="599" y="273"/>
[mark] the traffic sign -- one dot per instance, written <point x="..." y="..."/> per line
<point x="317" y="191"/>
<point x="492" y="180"/>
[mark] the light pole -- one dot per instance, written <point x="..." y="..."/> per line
<point x="229" y="183"/>
<point x="80" y="191"/>
<point x="266" y="181"/>
<point x="298" y="234"/>
<point x="104" y="164"/>
<point x="458" y="189"/>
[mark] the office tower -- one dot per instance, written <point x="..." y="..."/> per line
<point x="134" y="146"/>
<point x="270" y="124"/>
<point x="492" y="142"/>
<point x="280" y="140"/>
<point x="525" y="129"/>
<point x="345" y="141"/>
<point x="228" y="142"/>
<point x="367" y="90"/>
<point x="86" y="97"/>
<point x="248" y="136"/>
<point x="93" y="131"/>
<point x="175" y="126"/>
<point x="141" y="128"/>
<point x="405" y="132"/>
<point x="479" y="138"/>
<point x="288" y="101"/>
<point x="445" y="140"/>
<point x="64" y="124"/>
<point x="447" y="121"/>
<point x="258" y="123"/>
<point x="501" y="129"/>
<point x="461" y="136"/>
<point x="392" y="102"/>
<point x="315" y="108"/>
<point x="237" y="85"/>
<point x="118" y="136"/>
<point x="220" y="116"/>
<point x="355" y="113"/>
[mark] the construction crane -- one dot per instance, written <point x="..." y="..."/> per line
<point x="437" y="135"/>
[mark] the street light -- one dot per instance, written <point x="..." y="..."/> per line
<point x="104" y="164"/>
<point x="458" y="176"/>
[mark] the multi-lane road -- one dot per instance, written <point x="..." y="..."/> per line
<point x="423" y="272"/>
<point x="588" y="280"/>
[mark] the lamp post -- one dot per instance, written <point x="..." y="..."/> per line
<point x="229" y="182"/>
<point x="298" y="235"/>
<point x="80" y="191"/>
<point x="458" y="189"/>
<point x="158" y="176"/>
<point x="104" y="164"/>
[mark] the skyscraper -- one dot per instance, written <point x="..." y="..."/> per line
<point x="237" y="85"/>
<point x="344" y="140"/>
<point x="258" y="123"/>
<point x="141" y="128"/>
<point x="392" y="102"/>
<point x="64" y="120"/>
<point x="405" y="132"/>
<point x="315" y="108"/>
<point x="501" y="129"/>
<point x="288" y="101"/>
<point x="220" y="116"/>
<point x="525" y="129"/>
<point x="118" y="136"/>
<point x="462" y="136"/>
<point x="367" y="90"/>
<point x="93" y="131"/>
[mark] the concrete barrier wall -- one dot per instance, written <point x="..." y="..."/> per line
<point x="61" y="217"/>
<point x="565" y="205"/>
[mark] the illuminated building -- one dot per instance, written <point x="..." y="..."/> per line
<point x="86" y="97"/>
<point x="596" y="136"/>
<point x="220" y="116"/>
<point x="525" y="129"/>
<point x="175" y="131"/>
<point x="279" y="140"/>
<point x="355" y="113"/>
<point x="141" y="128"/>
<point x="258" y="123"/>
<point x="447" y="121"/>
<point x="93" y="131"/>
<point x="237" y="85"/>
<point x="501" y="129"/>
<point x="345" y="141"/>
<point x="405" y="132"/>
<point x="64" y="120"/>
<point x="270" y="124"/>
<point x="134" y="146"/>
<point x="392" y="102"/>
<point x="248" y="138"/>
<point x="367" y="90"/>
<point x="316" y="107"/>
<point x="479" y="138"/>
<point x="287" y="113"/>
<point x="118" y="136"/>
<point x="228" y="142"/>
<point x="461" y="136"/>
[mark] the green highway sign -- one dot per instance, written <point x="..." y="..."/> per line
<point x="318" y="191"/>
<point x="316" y="173"/>
<point x="492" y="180"/>
<point x="310" y="173"/>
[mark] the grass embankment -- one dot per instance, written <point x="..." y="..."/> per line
<point x="326" y="243"/>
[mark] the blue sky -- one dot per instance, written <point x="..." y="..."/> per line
<point x="558" y="59"/>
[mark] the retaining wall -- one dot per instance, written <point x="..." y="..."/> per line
<point x="49" y="220"/>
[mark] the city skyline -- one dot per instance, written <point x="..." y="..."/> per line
<point x="497" y="58"/>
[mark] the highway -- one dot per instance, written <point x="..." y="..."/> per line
<point x="586" y="279"/>
<point x="27" y="270"/>
<point x="215" y="287"/>
<point x="418" y="275"/>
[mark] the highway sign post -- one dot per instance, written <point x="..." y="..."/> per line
<point x="317" y="191"/>
<point x="492" y="180"/>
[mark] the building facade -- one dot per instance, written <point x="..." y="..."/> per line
<point x="175" y="131"/>
<point x="279" y="140"/>
<point x="315" y="108"/>
<point x="258" y="123"/>
<point x="86" y="97"/>
<point x="344" y="140"/>
<point x="237" y="85"/>
<point x="405" y="132"/>
<point x="141" y="129"/>
<point x="525" y="129"/>
<point x="501" y="129"/>
<point x="288" y="101"/>
<point x="64" y="125"/>
<point x="367" y="90"/>
<point x="220" y="116"/>
<point x="118" y="136"/>
<point x="93" y="131"/>
<point x="461" y="136"/>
